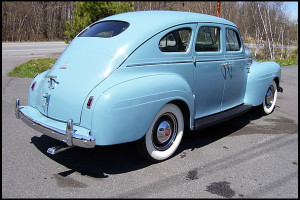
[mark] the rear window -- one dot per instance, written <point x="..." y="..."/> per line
<point x="106" y="29"/>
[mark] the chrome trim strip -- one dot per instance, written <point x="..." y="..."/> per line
<point x="67" y="136"/>
<point x="175" y="62"/>
<point x="241" y="58"/>
<point x="51" y="77"/>
<point x="178" y="62"/>
<point x="227" y="59"/>
<point x="159" y="63"/>
<point x="199" y="61"/>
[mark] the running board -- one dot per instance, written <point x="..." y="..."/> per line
<point x="220" y="117"/>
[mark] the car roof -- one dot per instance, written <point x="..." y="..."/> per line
<point x="143" y="26"/>
<point x="163" y="19"/>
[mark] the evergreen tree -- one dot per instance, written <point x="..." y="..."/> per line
<point x="91" y="11"/>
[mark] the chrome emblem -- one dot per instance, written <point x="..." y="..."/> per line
<point x="52" y="82"/>
<point x="64" y="66"/>
<point x="167" y="131"/>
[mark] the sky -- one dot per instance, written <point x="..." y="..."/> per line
<point x="292" y="9"/>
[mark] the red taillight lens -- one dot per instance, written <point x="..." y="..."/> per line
<point x="33" y="85"/>
<point x="89" y="103"/>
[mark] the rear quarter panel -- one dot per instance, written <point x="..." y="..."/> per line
<point x="124" y="112"/>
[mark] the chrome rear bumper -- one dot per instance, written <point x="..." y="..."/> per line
<point x="67" y="136"/>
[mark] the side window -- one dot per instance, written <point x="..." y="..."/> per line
<point x="208" y="39"/>
<point x="233" y="42"/>
<point x="176" y="41"/>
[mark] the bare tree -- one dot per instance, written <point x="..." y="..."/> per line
<point x="262" y="23"/>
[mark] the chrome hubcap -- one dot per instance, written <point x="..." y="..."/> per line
<point x="164" y="131"/>
<point x="270" y="97"/>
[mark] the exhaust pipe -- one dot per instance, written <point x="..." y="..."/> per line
<point x="68" y="142"/>
<point x="58" y="149"/>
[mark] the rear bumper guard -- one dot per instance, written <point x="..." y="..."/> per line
<point x="67" y="136"/>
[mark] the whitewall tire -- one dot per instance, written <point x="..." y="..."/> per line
<point x="164" y="135"/>
<point x="269" y="102"/>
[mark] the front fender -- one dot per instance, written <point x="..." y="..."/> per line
<point x="260" y="77"/>
<point x="125" y="112"/>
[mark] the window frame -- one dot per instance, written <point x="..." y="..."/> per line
<point x="237" y="33"/>
<point x="220" y="38"/>
<point x="207" y="54"/>
<point x="178" y="29"/>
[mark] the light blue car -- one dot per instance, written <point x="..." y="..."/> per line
<point x="147" y="76"/>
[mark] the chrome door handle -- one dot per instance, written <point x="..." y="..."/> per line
<point x="224" y="66"/>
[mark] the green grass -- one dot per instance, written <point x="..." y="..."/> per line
<point x="30" y="68"/>
<point x="284" y="62"/>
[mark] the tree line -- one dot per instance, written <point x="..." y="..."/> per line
<point x="36" y="20"/>
<point x="265" y="24"/>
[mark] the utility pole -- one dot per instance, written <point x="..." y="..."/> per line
<point x="218" y="8"/>
<point x="218" y="15"/>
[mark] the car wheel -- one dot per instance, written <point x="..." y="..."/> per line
<point x="269" y="102"/>
<point x="164" y="135"/>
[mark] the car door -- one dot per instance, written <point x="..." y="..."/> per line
<point x="209" y="75"/>
<point x="235" y="68"/>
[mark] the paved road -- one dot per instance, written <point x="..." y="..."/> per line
<point x="248" y="157"/>
<point x="14" y="54"/>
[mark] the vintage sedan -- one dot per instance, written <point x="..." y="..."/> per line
<point x="147" y="77"/>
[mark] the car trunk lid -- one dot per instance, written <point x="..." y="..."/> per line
<point x="66" y="86"/>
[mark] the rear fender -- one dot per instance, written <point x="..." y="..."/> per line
<point x="125" y="112"/>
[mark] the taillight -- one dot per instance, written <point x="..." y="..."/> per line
<point x="33" y="85"/>
<point x="89" y="103"/>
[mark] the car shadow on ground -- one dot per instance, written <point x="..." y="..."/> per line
<point x="116" y="159"/>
